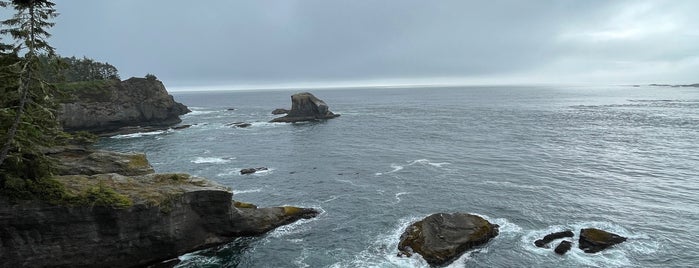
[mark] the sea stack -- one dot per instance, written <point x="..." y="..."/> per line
<point x="306" y="107"/>
<point x="441" y="238"/>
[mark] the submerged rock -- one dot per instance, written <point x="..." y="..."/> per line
<point x="563" y="247"/>
<point x="553" y="236"/>
<point x="239" y="124"/>
<point x="594" y="240"/>
<point x="280" y="111"/>
<point x="441" y="238"/>
<point x="306" y="107"/>
<point x="247" y="171"/>
<point x="181" y="127"/>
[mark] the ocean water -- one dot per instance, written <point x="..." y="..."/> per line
<point x="532" y="159"/>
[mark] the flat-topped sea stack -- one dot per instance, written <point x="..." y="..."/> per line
<point x="306" y="107"/>
<point x="108" y="105"/>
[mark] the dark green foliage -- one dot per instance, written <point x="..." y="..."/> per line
<point x="66" y="70"/>
<point x="151" y="77"/>
<point x="27" y="121"/>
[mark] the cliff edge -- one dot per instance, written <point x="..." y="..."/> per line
<point x="122" y="214"/>
<point x="108" y="105"/>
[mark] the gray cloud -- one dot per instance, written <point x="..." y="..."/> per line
<point x="284" y="42"/>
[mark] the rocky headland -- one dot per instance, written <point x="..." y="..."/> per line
<point x="112" y="106"/>
<point x="305" y="107"/>
<point x="114" y="211"/>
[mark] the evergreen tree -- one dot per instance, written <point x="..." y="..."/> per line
<point x="27" y="121"/>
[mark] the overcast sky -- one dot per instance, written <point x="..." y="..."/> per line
<point x="248" y="44"/>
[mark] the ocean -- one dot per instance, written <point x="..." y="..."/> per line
<point x="533" y="160"/>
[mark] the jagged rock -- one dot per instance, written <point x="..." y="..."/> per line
<point x="280" y="111"/>
<point x="553" y="236"/>
<point x="563" y="247"/>
<point x="158" y="217"/>
<point x="594" y="240"/>
<point x="112" y="105"/>
<point x="306" y="107"/>
<point x="247" y="171"/>
<point x="441" y="238"/>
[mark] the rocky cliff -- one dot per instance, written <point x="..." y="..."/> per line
<point x="148" y="217"/>
<point x="106" y="106"/>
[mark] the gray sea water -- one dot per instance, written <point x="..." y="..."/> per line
<point x="532" y="159"/>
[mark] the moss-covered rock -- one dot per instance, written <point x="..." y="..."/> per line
<point x="594" y="240"/>
<point x="441" y="238"/>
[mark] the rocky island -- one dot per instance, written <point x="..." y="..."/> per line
<point x="109" y="106"/>
<point x="305" y="107"/>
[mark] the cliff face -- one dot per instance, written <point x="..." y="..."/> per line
<point x="115" y="104"/>
<point x="166" y="215"/>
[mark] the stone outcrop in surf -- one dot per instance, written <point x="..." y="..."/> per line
<point x="110" y="105"/>
<point x="441" y="238"/>
<point x="594" y="240"/>
<point x="553" y="236"/>
<point x="149" y="217"/>
<point x="306" y="107"/>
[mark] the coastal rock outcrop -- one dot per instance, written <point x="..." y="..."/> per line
<point x="110" y="105"/>
<point x="306" y="107"/>
<point x="127" y="220"/>
<point x="441" y="238"/>
<point x="594" y="240"/>
<point x="553" y="236"/>
<point x="563" y="247"/>
<point x="247" y="171"/>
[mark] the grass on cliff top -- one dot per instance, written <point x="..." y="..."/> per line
<point x="109" y="190"/>
<point x="86" y="91"/>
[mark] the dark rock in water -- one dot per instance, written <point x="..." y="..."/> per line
<point x="306" y="107"/>
<point x="280" y="111"/>
<point x="231" y="109"/>
<point x="441" y="238"/>
<point x="563" y="247"/>
<point x="594" y="240"/>
<point x="247" y="171"/>
<point x="112" y="105"/>
<point x="553" y="236"/>
<point x="239" y="124"/>
<point x="181" y="127"/>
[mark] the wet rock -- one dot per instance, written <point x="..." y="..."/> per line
<point x="181" y="127"/>
<point x="563" y="247"/>
<point x="553" y="236"/>
<point x="239" y="124"/>
<point x="594" y="240"/>
<point x="306" y="107"/>
<point x="280" y="111"/>
<point x="231" y="109"/>
<point x="247" y="171"/>
<point x="441" y="238"/>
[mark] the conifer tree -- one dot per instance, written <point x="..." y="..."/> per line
<point x="27" y="121"/>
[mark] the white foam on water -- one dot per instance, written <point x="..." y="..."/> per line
<point x="615" y="256"/>
<point x="349" y="182"/>
<point x="211" y="160"/>
<point x="236" y="192"/>
<point x="423" y="162"/>
<point x="298" y="226"/>
<point x="397" y="196"/>
<point x="140" y="134"/>
<point x="199" y="112"/>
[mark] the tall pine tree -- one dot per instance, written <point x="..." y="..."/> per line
<point x="27" y="121"/>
